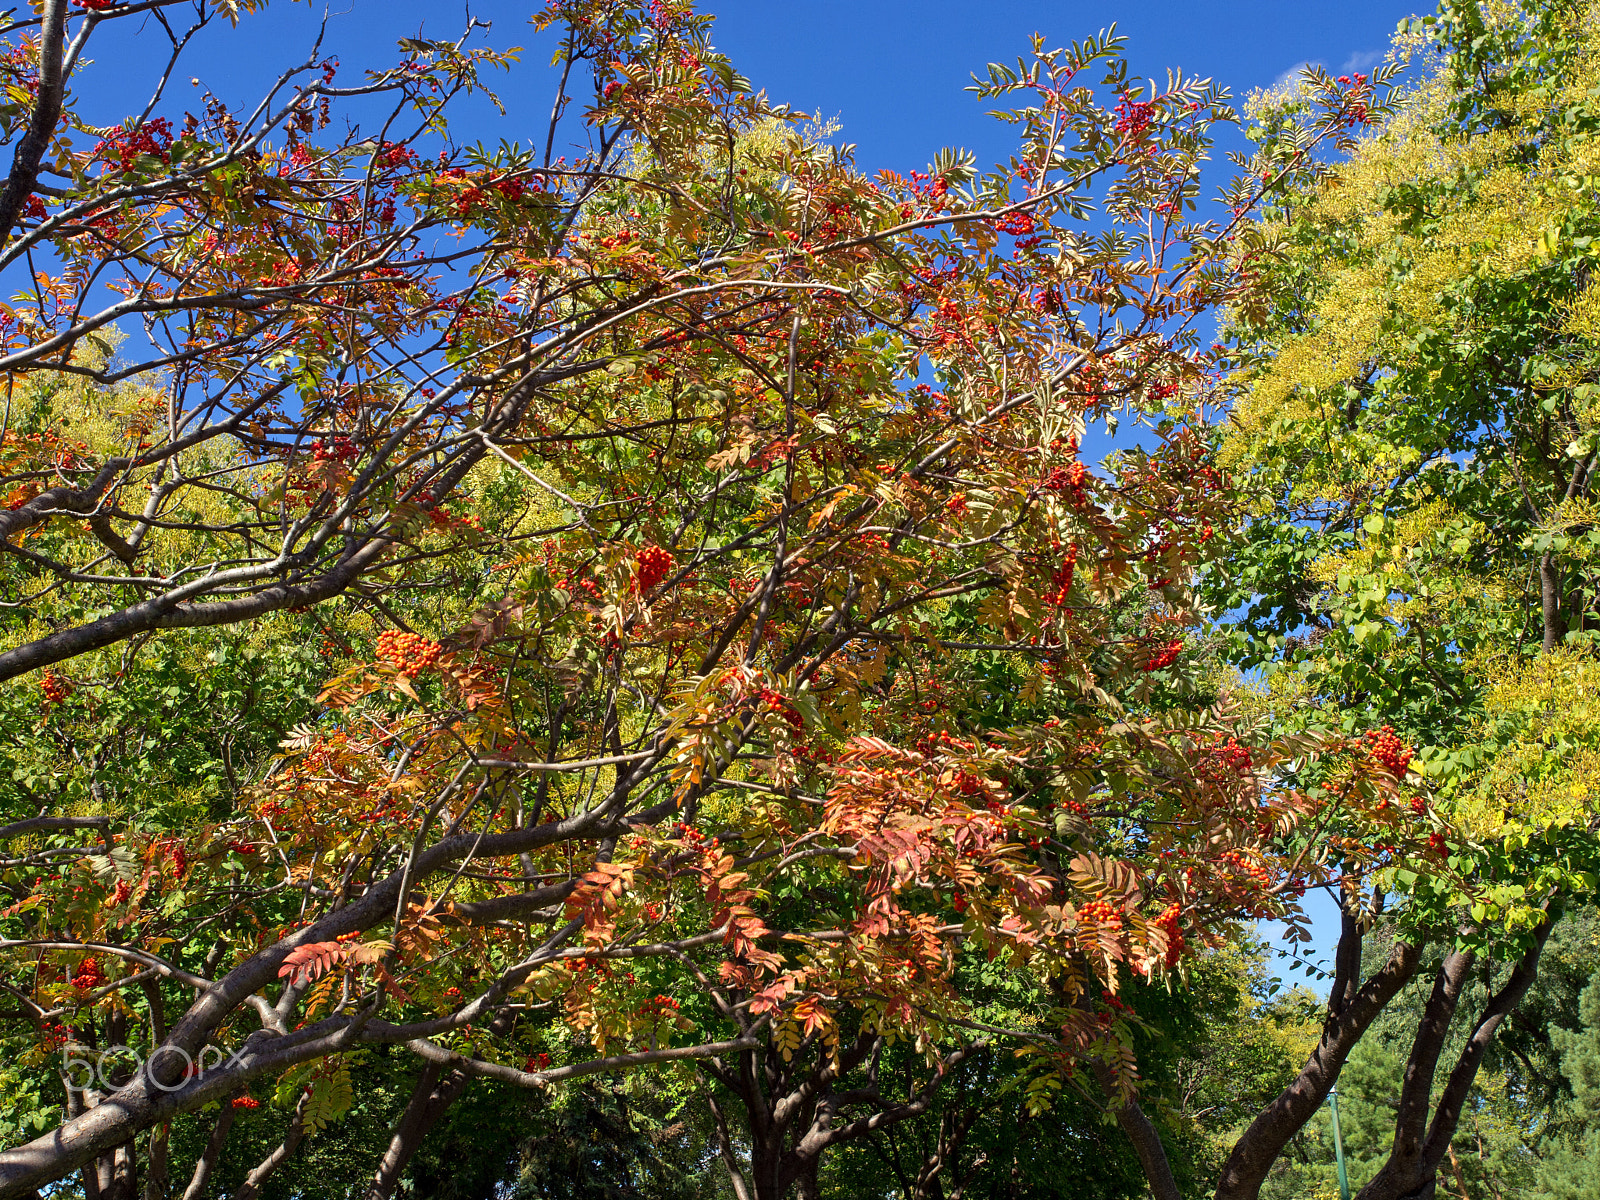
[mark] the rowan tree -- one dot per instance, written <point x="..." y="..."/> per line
<point x="668" y="504"/>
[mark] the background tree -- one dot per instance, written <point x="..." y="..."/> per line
<point x="1409" y="408"/>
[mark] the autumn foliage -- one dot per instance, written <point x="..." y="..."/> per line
<point x="717" y="635"/>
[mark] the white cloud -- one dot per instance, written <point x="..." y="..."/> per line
<point x="1291" y="77"/>
<point x="1360" y="61"/>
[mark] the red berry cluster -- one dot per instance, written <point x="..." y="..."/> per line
<point x="55" y="688"/>
<point x="1167" y="922"/>
<point x="120" y="894"/>
<point x="659" y="1005"/>
<point x="594" y="591"/>
<point x="1358" y="92"/>
<point x="89" y="975"/>
<point x="776" y="702"/>
<point x="392" y="154"/>
<point x="55" y="1036"/>
<point x="153" y="137"/>
<point x="1236" y="756"/>
<point x="1017" y="224"/>
<point x="246" y="1102"/>
<point x="654" y="564"/>
<point x="1385" y="746"/>
<point x="478" y="188"/>
<point x="409" y="653"/>
<point x="1437" y="844"/>
<point x="1101" y="912"/>
<point x="1134" y="118"/>
<point x="1165" y="656"/>
<point x="969" y="784"/>
<point x="1110" y="997"/>
<point x="341" y="449"/>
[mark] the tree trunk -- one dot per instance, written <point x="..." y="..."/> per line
<point x="213" y="1151"/>
<point x="1416" y="1089"/>
<point x="1551" y="601"/>
<point x="158" y="1185"/>
<point x="1352" y="1007"/>
<point x="251" y="1187"/>
<point x="805" y="1180"/>
<point x="766" y="1169"/>
<point x="1412" y="1174"/>
<point x="125" y="1172"/>
<point x="1142" y="1133"/>
<point x="741" y="1189"/>
<point x="431" y="1097"/>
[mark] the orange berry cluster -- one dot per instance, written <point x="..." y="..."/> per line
<point x="1247" y="867"/>
<point x="246" y="1102"/>
<point x="1061" y="582"/>
<point x="1071" y="479"/>
<point x="55" y="688"/>
<point x="1101" y="912"/>
<point x="409" y="653"/>
<point x="1165" y="656"/>
<point x="654" y="564"/>
<point x="1385" y="746"/>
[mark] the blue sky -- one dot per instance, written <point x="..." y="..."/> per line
<point x="892" y="71"/>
